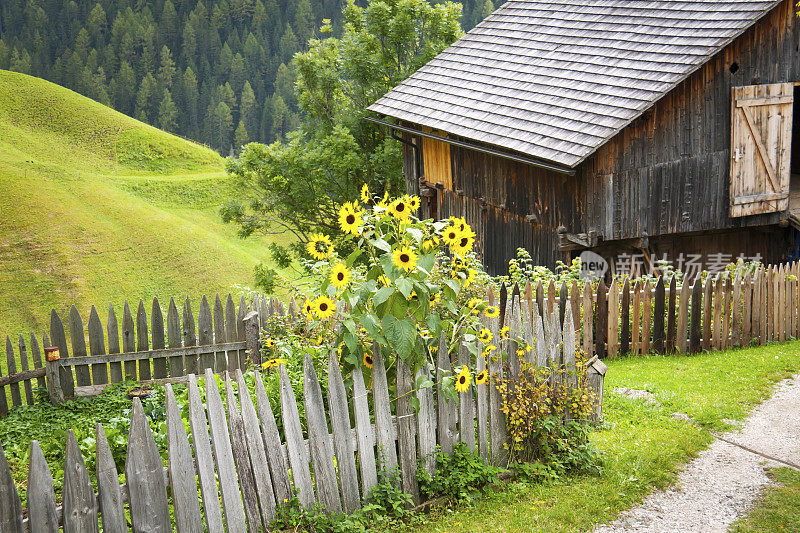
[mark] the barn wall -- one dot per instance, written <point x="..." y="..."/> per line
<point x="668" y="171"/>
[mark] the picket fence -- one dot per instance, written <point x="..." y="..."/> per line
<point x="239" y="445"/>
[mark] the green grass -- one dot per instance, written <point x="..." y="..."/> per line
<point x="643" y="447"/>
<point x="97" y="207"/>
<point x="778" y="509"/>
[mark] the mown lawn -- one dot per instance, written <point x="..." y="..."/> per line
<point x="778" y="509"/>
<point x="643" y="447"/>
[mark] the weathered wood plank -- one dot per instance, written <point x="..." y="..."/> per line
<point x="40" y="497"/>
<point x="613" y="319"/>
<point x="241" y="458"/>
<point x="695" y="334"/>
<point x="114" y="369"/>
<point x="190" y="362"/>
<point x="447" y="418"/>
<point x="736" y="323"/>
<point x="726" y="314"/>
<point x="321" y="458"/>
<point x="240" y="330"/>
<point x="16" y="398"/>
<point x="716" y="326"/>
<point x="78" y="500"/>
<point x="128" y="341"/>
<point x="157" y="331"/>
<point x="625" y="318"/>
<point x="220" y="361"/>
<point x="747" y="308"/>
<point x="636" y="338"/>
<point x="279" y="469"/>
<point x="683" y="317"/>
<point x="343" y="445"/>
<point x="384" y="425"/>
<point x="203" y="458"/>
<point x="588" y="320"/>
<point x="298" y="456"/>
<point x="647" y="306"/>
<point x="230" y="332"/>
<point x="10" y="504"/>
<point x="466" y="403"/>
<point x="205" y="335"/>
<point x="176" y="365"/>
<point x="497" y="422"/>
<point x="59" y="339"/>
<point x="658" y="316"/>
<point x="426" y="420"/>
<point x="601" y="320"/>
<point x="482" y="408"/>
<point x="223" y="457"/>
<point x="150" y="354"/>
<point x="182" y="473"/>
<point x="109" y="494"/>
<point x="142" y="341"/>
<point x="37" y="360"/>
<point x="575" y="301"/>
<point x="365" y="436"/>
<point x="406" y="421"/>
<point x="23" y="359"/>
<point x="144" y="476"/>
<point x="77" y="336"/>
<point x="708" y="314"/>
<point x="258" y="454"/>
<point x="671" y="318"/>
<point x="97" y="346"/>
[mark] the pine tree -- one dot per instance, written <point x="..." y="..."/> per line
<point x="279" y="118"/>
<point x="488" y="8"/>
<point x="145" y="98"/>
<point x="166" y="72"/>
<point x="240" y="136"/>
<point x="125" y="89"/>
<point x="191" y="96"/>
<point x="220" y="122"/>
<point x="247" y="102"/>
<point x="96" y="24"/>
<point x="167" y="113"/>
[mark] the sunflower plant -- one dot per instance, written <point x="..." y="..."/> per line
<point x="407" y="283"/>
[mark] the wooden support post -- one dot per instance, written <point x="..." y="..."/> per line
<point x="53" y="379"/>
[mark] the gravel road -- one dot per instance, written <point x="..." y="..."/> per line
<point x="721" y="483"/>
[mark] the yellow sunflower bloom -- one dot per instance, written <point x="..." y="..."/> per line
<point x="367" y="360"/>
<point x="365" y="196"/>
<point x="384" y="280"/>
<point x="413" y="202"/>
<point x="405" y="258"/>
<point x="482" y="377"/>
<point x="434" y="298"/>
<point x="269" y="343"/>
<point x="485" y="336"/>
<point x="488" y="350"/>
<point x="319" y="247"/>
<point x="504" y="332"/>
<point x="451" y="235"/>
<point x="350" y="219"/>
<point x="340" y="276"/>
<point x="473" y="303"/>
<point x="463" y="379"/>
<point x="400" y="209"/>
<point x="324" y="307"/>
<point x="429" y="245"/>
<point x="308" y="308"/>
<point x="492" y="311"/>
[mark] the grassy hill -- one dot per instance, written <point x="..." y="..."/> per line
<point x="96" y="207"/>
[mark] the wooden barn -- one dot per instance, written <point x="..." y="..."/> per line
<point x="660" y="129"/>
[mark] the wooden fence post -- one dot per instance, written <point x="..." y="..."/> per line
<point x="53" y="379"/>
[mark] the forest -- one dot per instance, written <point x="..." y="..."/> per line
<point x="219" y="72"/>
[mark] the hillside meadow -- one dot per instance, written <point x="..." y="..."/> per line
<point x="96" y="207"/>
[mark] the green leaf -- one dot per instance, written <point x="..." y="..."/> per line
<point x="401" y="335"/>
<point x="414" y="401"/>
<point x="426" y="262"/>
<point x="351" y="259"/>
<point x="405" y="286"/>
<point x="381" y="244"/>
<point x="397" y="305"/>
<point x="415" y="233"/>
<point x="382" y="295"/>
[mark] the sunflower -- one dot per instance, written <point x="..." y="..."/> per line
<point x="319" y="247"/>
<point x="365" y="196"/>
<point x="269" y="343"/>
<point x="485" y="336"/>
<point x="340" y="276"/>
<point x="488" y="350"/>
<point x="451" y="235"/>
<point x="400" y="209"/>
<point x="272" y="363"/>
<point x="520" y="352"/>
<point x="492" y="311"/>
<point x="308" y="308"/>
<point x="339" y="349"/>
<point x="428" y="245"/>
<point x="473" y="303"/>
<point x="324" y="307"/>
<point x="350" y="218"/>
<point x="384" y="280"/>
<point x="504" y="332"/>
<point x="434" y="298"/>
<point x="482" y="377"/>
<point x="367" y="360"/>
<point x="405" y="258"/>
<point x="413" y="202"/>
<point x="469" y="277"/>
<point x="463" y="243"/>
<point x="463" y="379"/>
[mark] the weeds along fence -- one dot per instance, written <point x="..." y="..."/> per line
<point x="245" y="470"/>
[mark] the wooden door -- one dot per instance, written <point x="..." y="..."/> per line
<point x="761" y="137"/>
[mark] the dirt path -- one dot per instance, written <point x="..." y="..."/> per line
<point x="721" y="483"/>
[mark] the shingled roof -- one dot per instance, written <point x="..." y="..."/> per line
<point x="556" y="80"/>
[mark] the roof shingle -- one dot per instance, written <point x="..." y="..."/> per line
<point x="556" y="80"/>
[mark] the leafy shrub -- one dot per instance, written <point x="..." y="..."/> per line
<point x="545" y="412"/>
<point x="458" y="475"/>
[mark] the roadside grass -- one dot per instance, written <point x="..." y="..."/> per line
<point x="98" y="207"/>
<point x="643" y="447"/>
<point x="778" y="508"/>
